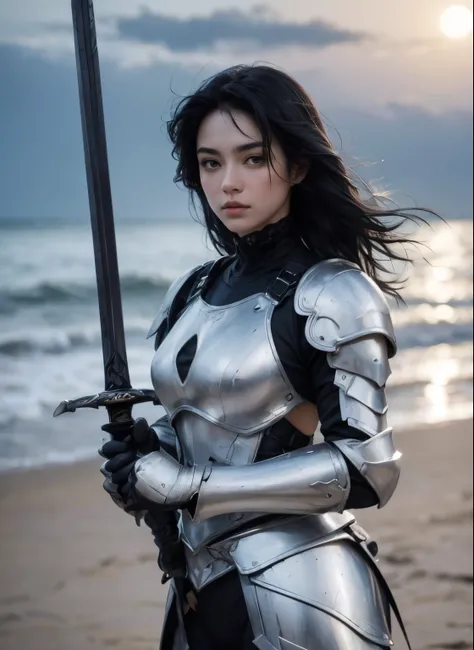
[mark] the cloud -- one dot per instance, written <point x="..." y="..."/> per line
<point x="363" y="70"/>
<point x="216" y="39"/>
<point x="424" y="156"/>
<point x="258" y="26"/>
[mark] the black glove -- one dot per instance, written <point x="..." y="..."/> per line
<point x="134" y="433"/>
<point x="121" y="453"/>
<point x="129" y="439"/>
<point x="164" y="528"/>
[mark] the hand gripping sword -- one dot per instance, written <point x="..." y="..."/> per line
<point x="119" y="396"/>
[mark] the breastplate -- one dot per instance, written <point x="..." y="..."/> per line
<point x="235" y="386"/>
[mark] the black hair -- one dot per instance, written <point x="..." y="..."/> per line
<point x="329" y="212"/>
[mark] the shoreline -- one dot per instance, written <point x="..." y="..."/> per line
<point x="86" y="459"/>
<point x="76" y="572"/>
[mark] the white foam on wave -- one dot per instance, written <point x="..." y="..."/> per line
<point x="53" y="256"/>
<point x="50" y="457"/>
<point x="56" y="338"/>
<point x="32" y="386"/>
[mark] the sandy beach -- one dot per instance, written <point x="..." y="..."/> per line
<point x="76" y="572"/>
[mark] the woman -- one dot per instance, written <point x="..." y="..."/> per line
<point x="287" y="329"/>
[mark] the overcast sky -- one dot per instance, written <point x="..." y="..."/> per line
<point x="398" y="91"/>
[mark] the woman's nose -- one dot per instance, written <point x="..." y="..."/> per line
<point x="232" y="181"/>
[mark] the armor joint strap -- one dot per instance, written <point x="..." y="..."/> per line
<point x="210" y="270"/>
<point x="287" y="279"/>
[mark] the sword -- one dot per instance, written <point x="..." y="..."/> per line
<point x="119" y="396"/>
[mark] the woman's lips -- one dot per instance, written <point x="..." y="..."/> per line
<point x="236" y="211"/>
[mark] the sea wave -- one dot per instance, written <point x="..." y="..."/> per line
<point x="59" y="342"/>
<point x="63" y="292"/>
<point x="26" y="402"/>
<point x="56" y="343"/>
<point x="44" y="292"/>
<point x="417" y="329"/>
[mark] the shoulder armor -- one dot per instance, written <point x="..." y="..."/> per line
<point x="349" y="319"/>
<point x="342" y="304"/>
<point x="174" y="290"/>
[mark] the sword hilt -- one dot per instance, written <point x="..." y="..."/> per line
<point x="119" y="403"/>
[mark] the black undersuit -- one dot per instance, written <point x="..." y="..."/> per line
<point x="221" y="620"/>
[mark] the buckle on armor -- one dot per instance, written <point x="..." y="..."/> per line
<point x="285" y="281"/>
<point x="198" y="288"/>
<point x="362" y="537"/>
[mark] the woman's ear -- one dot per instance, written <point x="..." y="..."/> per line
<point x="299" y="171"/>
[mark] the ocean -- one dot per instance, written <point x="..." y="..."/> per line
<point x="50" y="346"/>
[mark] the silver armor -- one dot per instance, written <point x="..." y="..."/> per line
<point x="348" y="317"/>
<point x="305" y="481"/>
<point x="294" y="565"/>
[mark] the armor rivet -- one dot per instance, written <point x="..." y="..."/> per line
<point x="344" y="376"/>
<point x="289" y="397"/>
<point x="254" y="563"/>
<point x="257" y="307"/>
<point x="328" y="495"/>
<point x="321" y="338"/>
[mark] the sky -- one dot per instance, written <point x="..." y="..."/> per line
<point x="395" y="93"/>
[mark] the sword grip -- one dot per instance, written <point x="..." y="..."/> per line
<point x="120" y="415"/>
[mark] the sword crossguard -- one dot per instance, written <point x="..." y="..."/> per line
<point x="111" y="399"/>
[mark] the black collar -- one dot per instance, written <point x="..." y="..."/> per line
<point x="265" y="248"/>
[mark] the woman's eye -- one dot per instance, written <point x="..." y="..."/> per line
<point x="256" y="160"/>
<point x="214" y="164"/>
<point x="209" y="164"/>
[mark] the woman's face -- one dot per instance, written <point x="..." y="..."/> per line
<point x="233" y="169"/>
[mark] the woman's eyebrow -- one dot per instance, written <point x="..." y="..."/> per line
<point x="241" y="147"/>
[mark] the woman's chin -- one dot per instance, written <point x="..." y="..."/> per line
<point x="240" y="226"/>
<point x="246" y="223"/>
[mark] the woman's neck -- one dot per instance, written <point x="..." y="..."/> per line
<point x="267" y="247"/>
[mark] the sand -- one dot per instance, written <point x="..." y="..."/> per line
<point x="76" y="572"/>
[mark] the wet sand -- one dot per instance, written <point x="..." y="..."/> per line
<point x="76" y="573"/>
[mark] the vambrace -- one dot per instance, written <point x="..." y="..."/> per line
<point x="377" y="460"/>
<point x="313" y="480"/>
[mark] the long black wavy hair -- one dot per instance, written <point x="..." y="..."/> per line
<point x="329" y="212"/>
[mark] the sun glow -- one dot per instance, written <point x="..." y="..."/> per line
<point x="456" y="21"/>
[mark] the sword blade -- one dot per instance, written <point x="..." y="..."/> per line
<point x="116" y="373"/>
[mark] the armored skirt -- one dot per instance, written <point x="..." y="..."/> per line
<point x="275" y="558"/>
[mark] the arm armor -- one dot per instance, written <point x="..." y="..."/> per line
<point x="306" y="481"/>
<point x="349" y="319"/>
